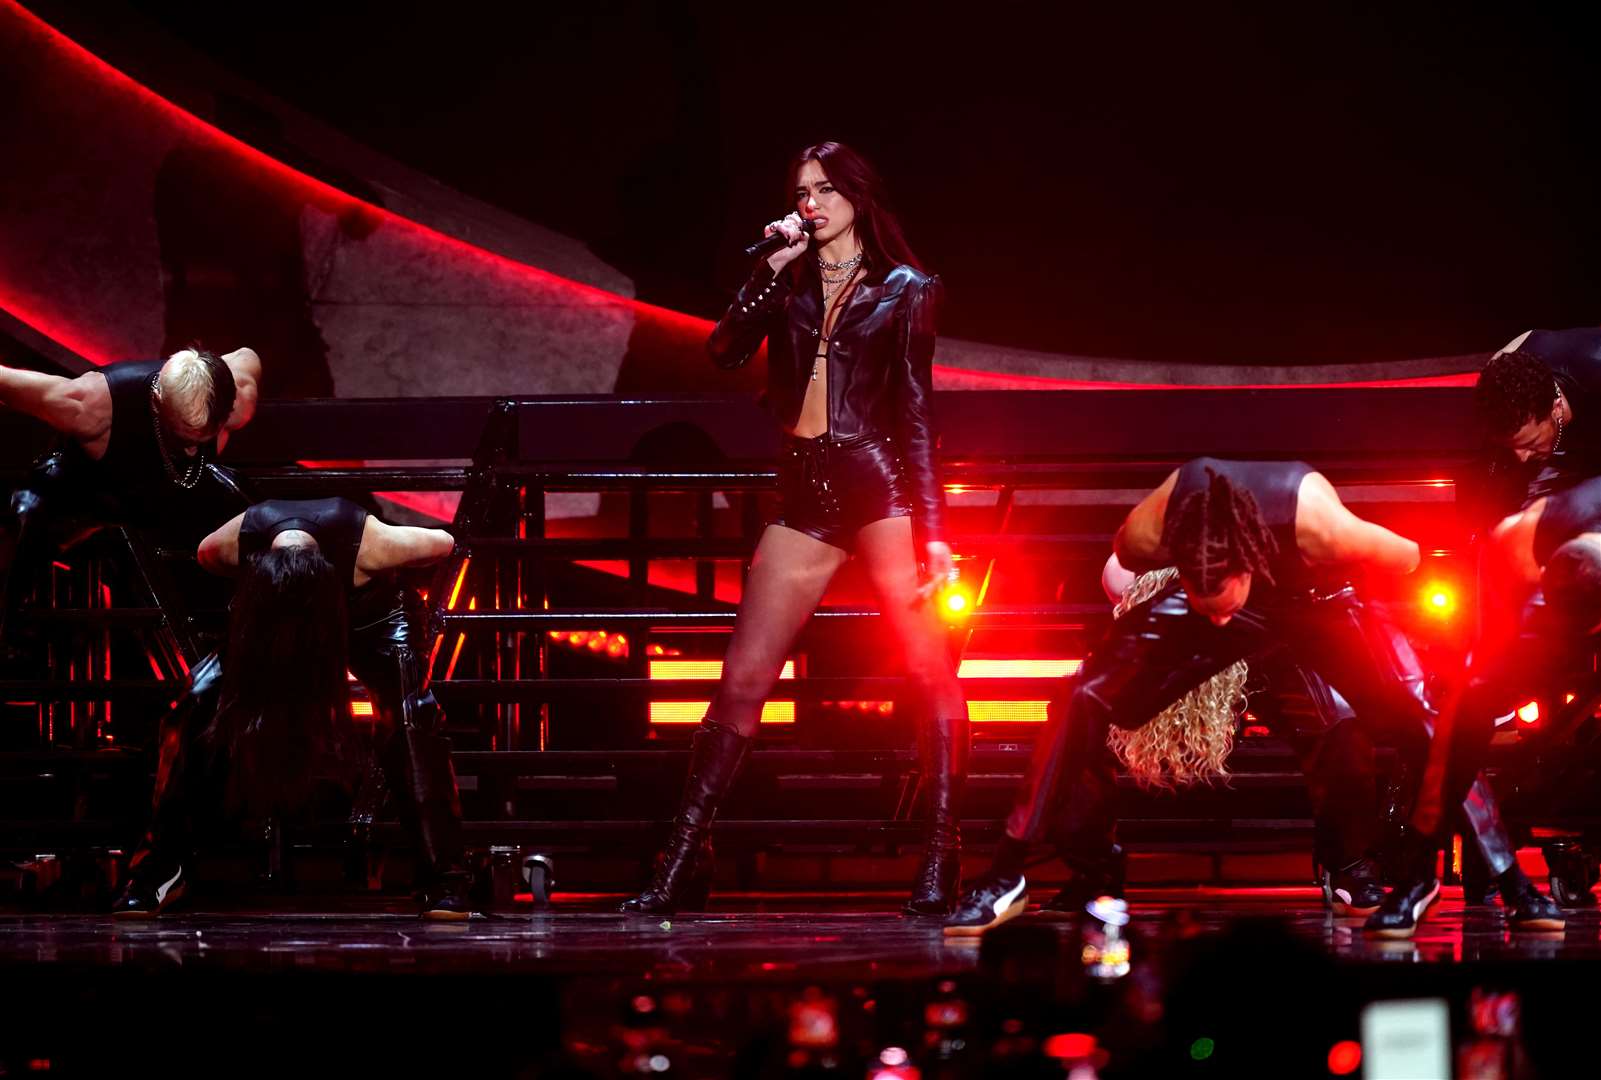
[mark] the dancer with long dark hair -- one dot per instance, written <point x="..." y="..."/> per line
<point x="288" y="704"/>
<point x="849" y="320"/>
<point x="318" y="595"/>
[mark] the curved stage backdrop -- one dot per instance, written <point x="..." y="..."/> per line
<point x="137" y="228"/>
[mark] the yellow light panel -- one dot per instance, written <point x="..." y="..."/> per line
<point x="1018" y="669"/>
<point x="701" y="669"/>
<point x="691" y="712"/>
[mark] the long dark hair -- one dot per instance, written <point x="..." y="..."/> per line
<point x="283" y="717"/>
<point x="876" y="225"/>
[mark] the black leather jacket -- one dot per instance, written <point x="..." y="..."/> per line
<point x="880" y="364"/>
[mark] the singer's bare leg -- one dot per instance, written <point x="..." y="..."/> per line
<point x="787" y="577"/>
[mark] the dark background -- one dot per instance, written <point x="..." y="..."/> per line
<point x="1244" y="185"/>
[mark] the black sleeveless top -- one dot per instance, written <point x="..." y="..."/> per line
<point x="1567" y="514"/>
<point x="336" y="523"/>
<point x="1276" y="487"/>
<point x="133" y="458"/>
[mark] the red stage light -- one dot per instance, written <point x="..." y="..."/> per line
<point x="1345" y="1057"/>
<point x="1070" y="1046"/>
<point x="1439" y="600"/>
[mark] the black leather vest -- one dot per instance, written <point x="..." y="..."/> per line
<point x="133" y="457"/>
<point x="1276" y="487"/>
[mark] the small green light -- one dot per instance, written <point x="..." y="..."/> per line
<point x="1201" y="1049"/>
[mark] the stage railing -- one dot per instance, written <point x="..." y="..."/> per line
<point x="556" y="744"/>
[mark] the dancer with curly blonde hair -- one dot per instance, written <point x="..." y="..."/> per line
<point x="1189" y="741"/>
<point x="1265" y="553"/>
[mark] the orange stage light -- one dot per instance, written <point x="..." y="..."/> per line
<point x="461" y="578"/>
<point x="1530" y="713"/>
<point x="361" y="708"/>
<point x="955" y="602"/>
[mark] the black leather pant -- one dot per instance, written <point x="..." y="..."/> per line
<point x="1335" y="753"/>
<point x="413" y="753"/>
<point x="1541" y="659"/>
<point x="1160" y="650"/>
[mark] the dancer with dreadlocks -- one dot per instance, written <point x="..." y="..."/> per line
<point x="1264" y="553"/>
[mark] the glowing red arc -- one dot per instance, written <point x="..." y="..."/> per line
<point x="80" y="340"/>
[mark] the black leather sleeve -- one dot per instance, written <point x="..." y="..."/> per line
<point x="914" y="418"/>
<point x="754" y="313"/>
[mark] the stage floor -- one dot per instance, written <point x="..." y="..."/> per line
<point x="1263" y="976"/>
<point x="747" y="937"/>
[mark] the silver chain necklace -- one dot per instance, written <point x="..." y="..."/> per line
<point x="191" y="474"/>
<point x="849" y="264"/>
<point x="834" y="285"/>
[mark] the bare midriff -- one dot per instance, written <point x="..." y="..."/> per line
<point x="813" y="419"/>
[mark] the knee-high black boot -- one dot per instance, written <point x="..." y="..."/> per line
<point x="189" y="783"/>
<point x="942" y="746"/>
<point x="684" y="868"/>
<point x="431" y="806"/>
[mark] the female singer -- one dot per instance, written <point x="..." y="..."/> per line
<point x="848" y="316"/>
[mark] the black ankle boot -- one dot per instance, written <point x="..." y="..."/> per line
<point x="684" y="868"/>
<point x="943" y="750"/>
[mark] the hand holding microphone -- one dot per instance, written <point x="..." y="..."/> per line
<point x="785" y="241"/>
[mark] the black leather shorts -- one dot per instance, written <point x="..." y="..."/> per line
<point x="830" y="488"/>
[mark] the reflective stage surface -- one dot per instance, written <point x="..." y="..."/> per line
<point x="1217" y="982"/>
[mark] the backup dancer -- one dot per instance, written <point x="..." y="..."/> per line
<point x="1264" y="552"/>
<point x="318" y="593"/>
<point x="1546" y="562"/>
<point x="139" y="442"/>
